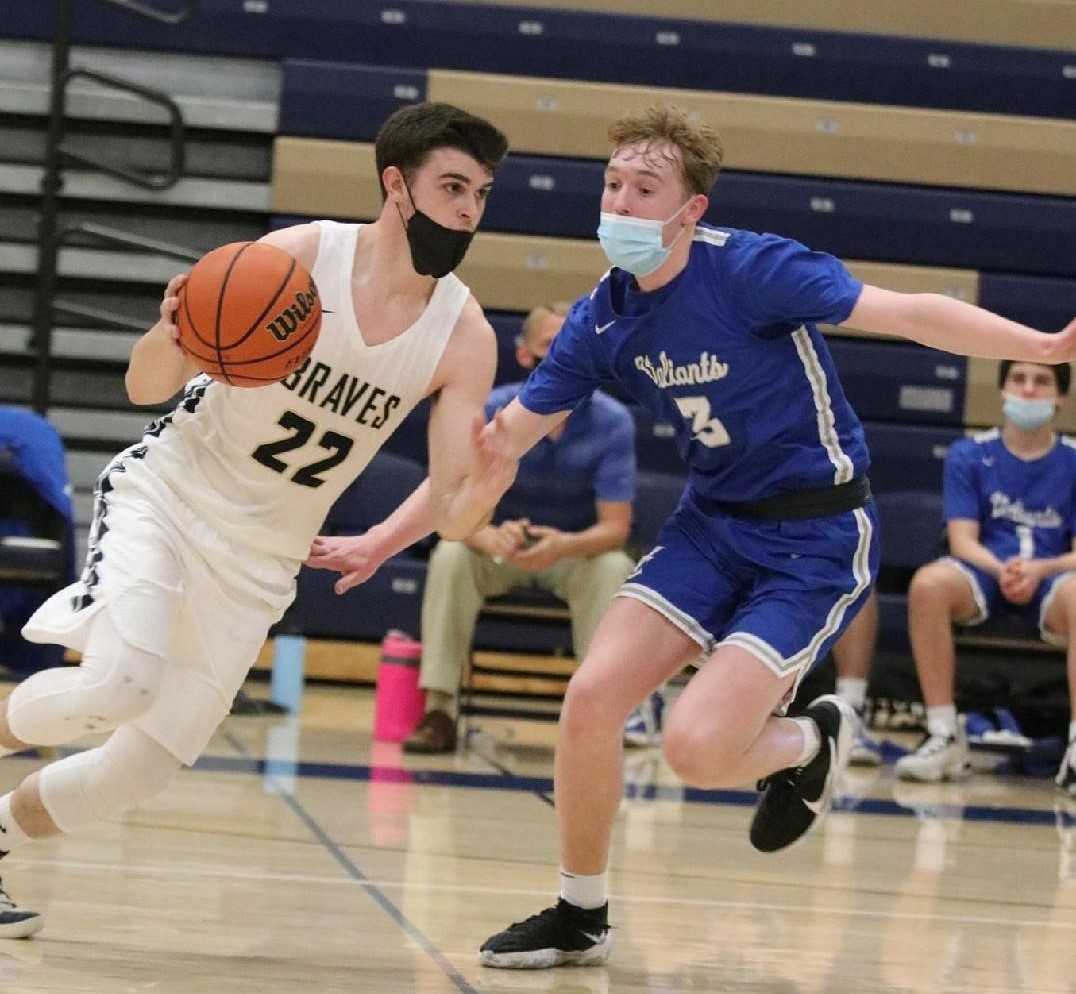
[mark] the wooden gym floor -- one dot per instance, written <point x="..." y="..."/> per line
<point x="302" y="856"/>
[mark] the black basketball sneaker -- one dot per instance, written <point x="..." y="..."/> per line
<point x="16" y="922"/>
<point x="797" y="798"/>
<point x="563" y="935"/>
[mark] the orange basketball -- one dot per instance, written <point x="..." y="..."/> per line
<point x="249" y="314"/>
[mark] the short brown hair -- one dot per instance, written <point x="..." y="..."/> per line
<point x="700" y="147"/>
<point x="539" y="313"/>
<point x="1062" y="373"/>
<point x="409" y="135"/>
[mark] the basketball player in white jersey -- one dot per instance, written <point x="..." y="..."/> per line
<point x="200" y="528"/>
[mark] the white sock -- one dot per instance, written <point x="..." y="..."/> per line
<point x="941" y="720"/>
<point x="584" y="891"/>
<point x="853" y="689"/>
<point x="11" y="834"/>
<point x="1072" y="730"/>
<point x="812" y="741"/>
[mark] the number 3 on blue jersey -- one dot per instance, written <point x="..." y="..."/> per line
<point x="710" y="431"/>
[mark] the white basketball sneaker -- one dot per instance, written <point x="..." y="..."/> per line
<point x="937" y="758"/>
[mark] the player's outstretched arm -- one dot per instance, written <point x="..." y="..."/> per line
<point x="467" y="477"/>
<point x="358" y="557"/>
<point x="502" y="441"/>
<point x="954" y="326"/>
<point x="158" y="366"/>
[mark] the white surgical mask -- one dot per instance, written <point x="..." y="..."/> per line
<point x="1026" y="413"/>
<point x="635" y="244"/>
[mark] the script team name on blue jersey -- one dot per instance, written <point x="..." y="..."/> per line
<point x="729" y="354"/>
<point x="1024" y="508"/>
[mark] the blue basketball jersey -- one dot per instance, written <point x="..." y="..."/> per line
<point x="1024" y="508"/>
<point x="729" y="354"/>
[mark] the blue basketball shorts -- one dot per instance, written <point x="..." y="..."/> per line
<point x="782" y="590"/>
<point x="987" y="594"/>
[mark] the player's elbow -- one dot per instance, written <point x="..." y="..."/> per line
<point x="137" y="392"/>
<point x="143" y="390"/>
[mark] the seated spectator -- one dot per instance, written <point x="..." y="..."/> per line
<point x="35" y="503"/>
<point x="1009" y="509"/>
<point x="561" y="527"/>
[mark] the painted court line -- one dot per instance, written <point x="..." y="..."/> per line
<point x="188" y="870"/>
<point x="373" y="890"/>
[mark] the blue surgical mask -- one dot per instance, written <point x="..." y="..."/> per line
<point x="1028" y="414"/>
<point x="634" y="244"/>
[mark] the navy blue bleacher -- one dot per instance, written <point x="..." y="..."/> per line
<point x="907" y="457"/>
<point x="601" y="46"/>
<point x="900" y="381"/>
<point x="1042" y="302"/>
<point x="346" y="101"/>
<point x="898" y="223"/>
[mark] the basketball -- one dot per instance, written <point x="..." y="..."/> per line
<point x="249" y="314"/>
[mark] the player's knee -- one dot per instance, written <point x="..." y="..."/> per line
<point x="1066" y="599"/>
<point x="930" y="584"/>
<point x="704" y="753"/>
<point x="690" y="752"/>
<point x="132" y="769"/>
<point x="590" y="704"/>
<point x="102" y="783"/>
<point x="121" y="691"/>
<point x="64" y="704"/>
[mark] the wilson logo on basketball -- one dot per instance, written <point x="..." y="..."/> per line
<point x="289" y="319"/>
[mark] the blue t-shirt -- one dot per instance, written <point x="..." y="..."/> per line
<point x="559" y="480"/>
<point x="1024" y="508"/>
<point x="728" y="353"/>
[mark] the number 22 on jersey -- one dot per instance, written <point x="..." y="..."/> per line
<point x="301" y="431"/>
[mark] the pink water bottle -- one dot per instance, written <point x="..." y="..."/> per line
<point x="399" y="703"/>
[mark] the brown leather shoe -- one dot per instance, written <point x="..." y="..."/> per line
<point x="436" y="733"/>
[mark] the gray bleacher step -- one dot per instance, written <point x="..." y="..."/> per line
<point x="212" y="194"/>
<point x="80" y="263"/>
<point x="77" y="424"/>
<point x="216" y="93"/>
<point x="83" y="468"/>
<point x="225" y="157"/>
<point x="70" y="343"/>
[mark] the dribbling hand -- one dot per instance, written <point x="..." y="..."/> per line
<point x="169" y="305"/>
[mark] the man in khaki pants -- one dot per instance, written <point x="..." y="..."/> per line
<point x="561" y="527"/>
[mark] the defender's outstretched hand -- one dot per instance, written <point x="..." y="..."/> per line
<point x="493" y="463"/>
<point x="354" y="556"/>
<point x="1064" y="344"/>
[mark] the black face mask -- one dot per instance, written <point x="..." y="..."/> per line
<point x="435" y="249"/>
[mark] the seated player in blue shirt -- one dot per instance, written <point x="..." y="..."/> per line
<point x="561" y="527"/>
<point x="774" y="546"/>
<point x="1010" y="509"/>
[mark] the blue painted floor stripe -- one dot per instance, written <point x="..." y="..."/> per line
<point x="652" y="792"/>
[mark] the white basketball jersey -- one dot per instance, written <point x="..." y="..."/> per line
<point x="266" y="464"/>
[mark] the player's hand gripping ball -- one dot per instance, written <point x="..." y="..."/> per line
<point x="249" y="314"/>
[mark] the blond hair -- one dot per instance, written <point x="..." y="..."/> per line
<point x="700" y="147"/>
<point x="540" y="313"/>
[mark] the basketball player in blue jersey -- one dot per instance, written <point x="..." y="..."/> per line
<point x="774" y="545"/>
<point x="1010" y="508"/>
<point x="200" y="528"/>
